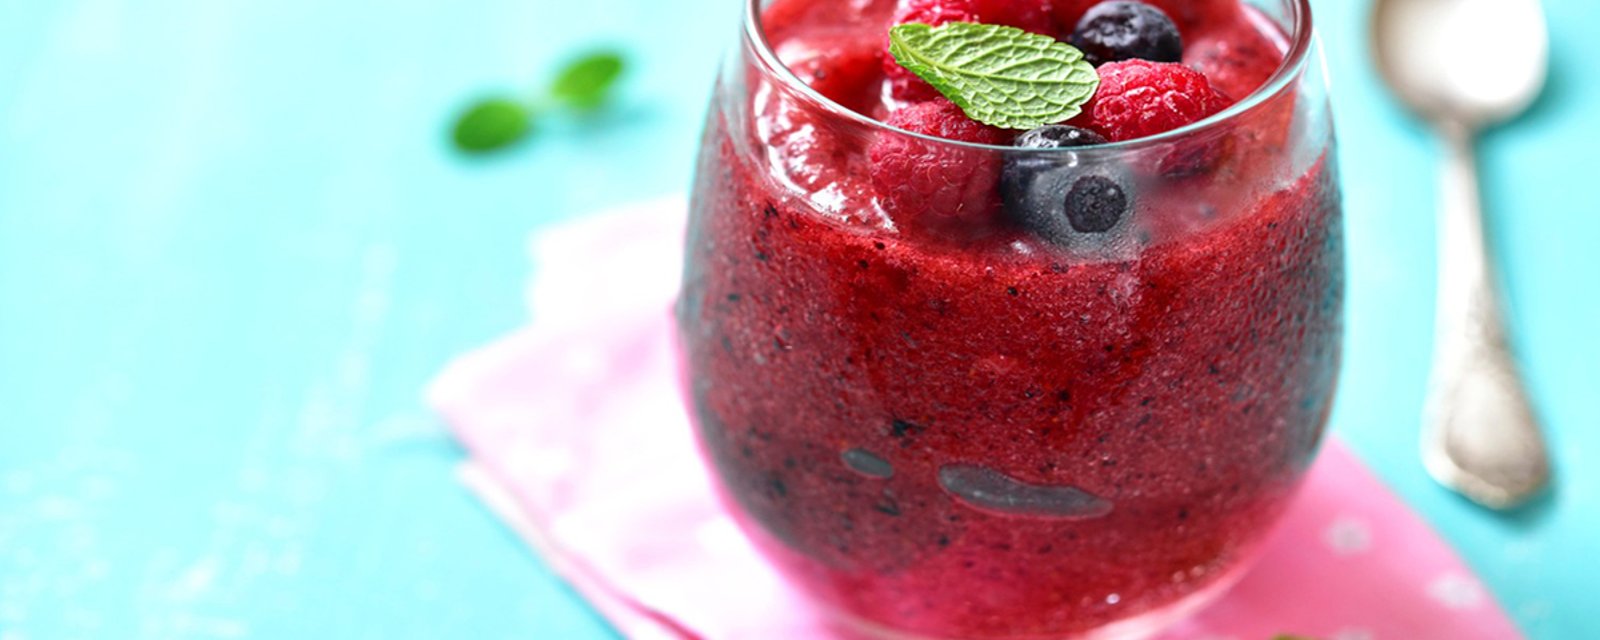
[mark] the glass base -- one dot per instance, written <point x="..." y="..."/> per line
<point x="1140" y="627"/>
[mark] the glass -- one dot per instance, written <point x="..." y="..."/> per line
<point x="945" y="422"/>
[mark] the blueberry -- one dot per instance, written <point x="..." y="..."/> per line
<point x="1123" y="30"/>
<point x="1064" y="197"/>
<point x="1020" y="170"/>
<point x="1095" y="204"/>
<point x="1056" y="136"/>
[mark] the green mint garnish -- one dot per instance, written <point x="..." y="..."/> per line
<point x="492" y="124"/>
<point x="582" y="86"/>
<point x="586" y="82"/>
<point x="1000" y="76"/>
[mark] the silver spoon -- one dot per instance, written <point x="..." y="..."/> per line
<point x="1464" y="65"/>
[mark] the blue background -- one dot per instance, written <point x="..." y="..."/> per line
<point x="233" y="247"/>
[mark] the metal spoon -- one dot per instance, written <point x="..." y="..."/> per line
<point x="1464" y="65"/>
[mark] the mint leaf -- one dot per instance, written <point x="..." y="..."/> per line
<point x="581" y="86"/>
<point x="585" y="82"/>
<point x="491" y="125"/>
<point x="1001" y="76"/>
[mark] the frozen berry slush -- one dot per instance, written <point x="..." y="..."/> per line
<point x="961" y="380"/>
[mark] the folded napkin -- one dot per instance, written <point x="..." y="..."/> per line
<point x="580" y="441"/>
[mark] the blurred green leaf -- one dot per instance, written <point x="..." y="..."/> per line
<point x="491" y="125"/>
<point x="586" y="81"/>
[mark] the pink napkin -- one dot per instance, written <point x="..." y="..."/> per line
<point x="580" y="441"/>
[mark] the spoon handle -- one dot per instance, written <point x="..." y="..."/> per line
<point x="1481" y="436"/>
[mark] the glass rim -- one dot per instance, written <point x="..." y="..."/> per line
<point x="1301" y="39"/>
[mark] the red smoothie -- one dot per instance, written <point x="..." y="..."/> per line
<point x="966" y="427"/>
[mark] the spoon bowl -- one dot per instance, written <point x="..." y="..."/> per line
<point x="1473" y="63"/>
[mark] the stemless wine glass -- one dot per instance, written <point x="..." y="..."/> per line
<point x="946" y="409"/>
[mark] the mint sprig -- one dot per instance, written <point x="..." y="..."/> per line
<point x="998" y="75"/>
<point x="498" y="122"/>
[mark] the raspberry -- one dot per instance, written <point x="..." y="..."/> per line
<point x="1029" y="15"/>
<point x="903" y="84"/>
<point x="934" y="12"/>
<point x="1139" y="98"/>
<point x="929" y="184"/>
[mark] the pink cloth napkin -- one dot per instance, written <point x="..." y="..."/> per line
<point x="580" y="441"/>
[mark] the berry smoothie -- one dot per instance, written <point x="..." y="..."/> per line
<point x="955" y="392"/>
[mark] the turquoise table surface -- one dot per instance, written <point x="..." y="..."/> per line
<point x="233" y="248"/>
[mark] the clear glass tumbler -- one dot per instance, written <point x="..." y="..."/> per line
<point x="941" y="421"/>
